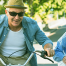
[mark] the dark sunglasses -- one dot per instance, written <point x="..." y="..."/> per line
<point x="14" y="14"/>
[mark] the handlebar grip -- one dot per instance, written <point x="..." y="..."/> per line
<point x="43" y="53"/>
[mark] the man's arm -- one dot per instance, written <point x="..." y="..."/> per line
<point x="43" y="40"/>
<point x="49" y="48"/>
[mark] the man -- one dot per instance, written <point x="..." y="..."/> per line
<point x="17" y="34"/>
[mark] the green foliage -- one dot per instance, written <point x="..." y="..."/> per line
<point x="5" y="1"/>
<point x="2" y="10"/>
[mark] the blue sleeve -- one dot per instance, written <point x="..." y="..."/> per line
<point x="58" y="53"/>
<point x="59" y="50"/>
<point x="42" y="38"/>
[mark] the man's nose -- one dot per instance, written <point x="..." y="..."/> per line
<point x="17" y="16"/>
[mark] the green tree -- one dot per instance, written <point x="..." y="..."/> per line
<point x="2" y="10"/>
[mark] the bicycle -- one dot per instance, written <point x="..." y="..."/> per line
<point x="43" y="53"/>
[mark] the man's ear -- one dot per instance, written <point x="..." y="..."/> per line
<point x="6" y="12"/>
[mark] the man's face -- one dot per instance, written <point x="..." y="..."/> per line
<point x="15" y="16"/>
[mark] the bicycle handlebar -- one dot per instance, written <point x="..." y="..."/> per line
<point x="43" y="53"/>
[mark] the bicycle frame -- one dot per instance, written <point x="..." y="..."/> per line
<point x="29" y="58"/>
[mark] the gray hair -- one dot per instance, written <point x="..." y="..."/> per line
<point x="7" y="9"/>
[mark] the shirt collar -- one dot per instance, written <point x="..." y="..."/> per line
<point x="24" y="23"/>
<point x="6" y="21"/>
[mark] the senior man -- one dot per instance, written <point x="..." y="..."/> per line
<point x="17" y="33"/>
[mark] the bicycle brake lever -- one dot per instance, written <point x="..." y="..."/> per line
<point x="43" y="53"/>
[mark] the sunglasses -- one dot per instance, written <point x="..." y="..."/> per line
<point x="20" y="14"/>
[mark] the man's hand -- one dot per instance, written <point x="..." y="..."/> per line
<point x="48" y="47"/>
<point x="50" y="52"/>
<point x="64" y="60"/>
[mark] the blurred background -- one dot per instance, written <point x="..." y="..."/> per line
<point x="51" y="18"/>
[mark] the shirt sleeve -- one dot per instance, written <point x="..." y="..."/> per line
<point x="59" y="49"/>
<point x="41" y="38"/>
<point x="58" y="53"/>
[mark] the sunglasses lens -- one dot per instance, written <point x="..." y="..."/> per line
<point x="21" y="13"/>
<point x="14" y="13"/>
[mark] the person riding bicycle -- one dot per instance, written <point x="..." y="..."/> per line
<point x="17" y="33"/>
